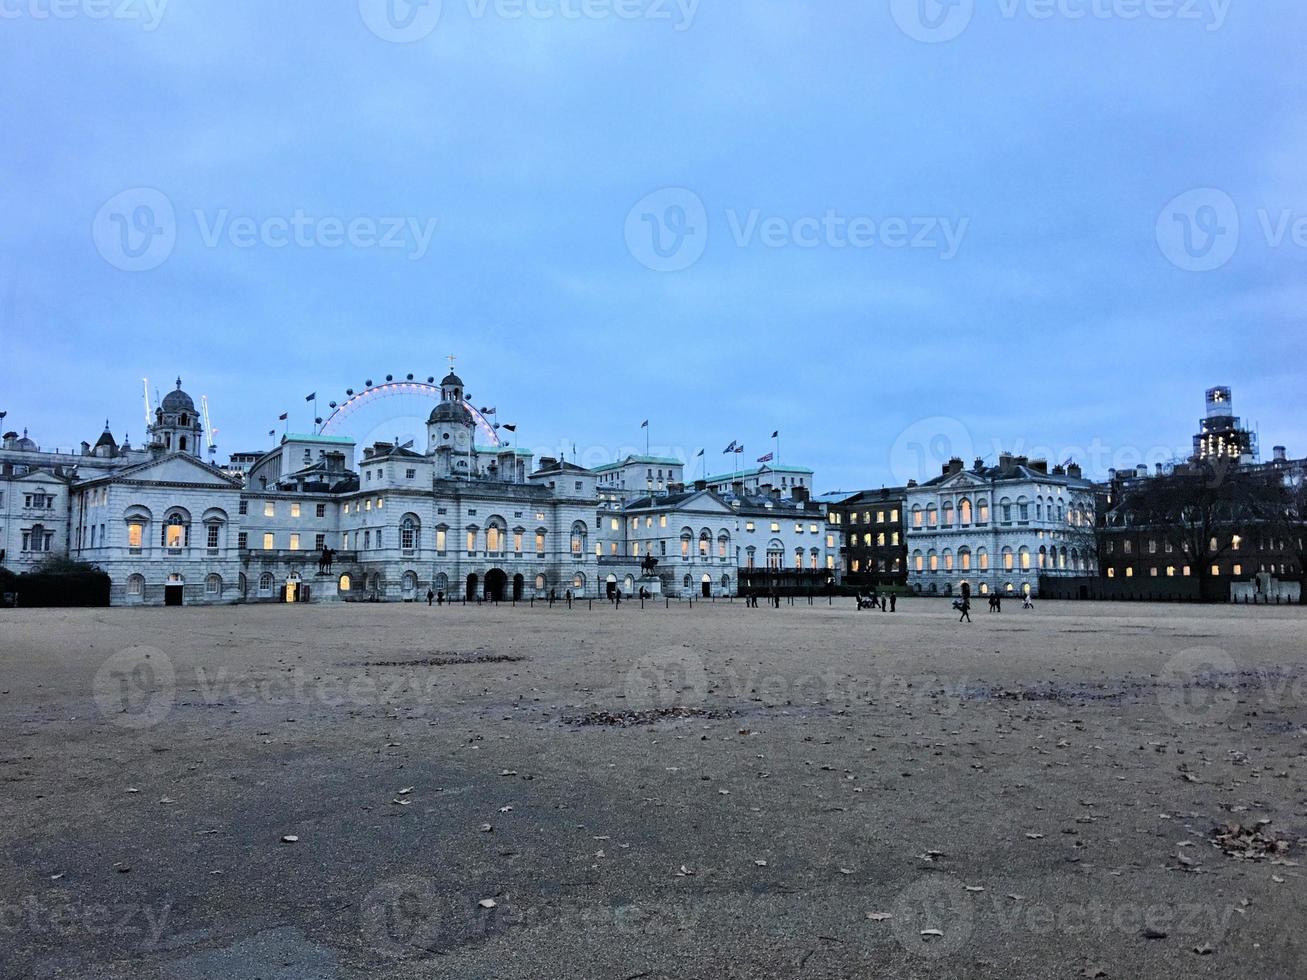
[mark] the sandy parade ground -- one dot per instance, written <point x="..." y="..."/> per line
<point x="1085" y="790"/>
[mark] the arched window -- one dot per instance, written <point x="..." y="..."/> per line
<point x="964" y="511"/>
<point x="798" y="558"/>
<point x="964" y="558"/>
<point x="242" y="584"/>
<point x="265" y="583"/>
<point x="932" y="516"/>
<point x="541" y="582"/>
<point x="916" y="515"/>
<point x="705" y="542"/>
<point x="494" y="538"/>
<point x="948" y="513"/>
<point x="1043" y="556"/>
<point x="1008" y="559"/>
<point x="933" y="558"/>
<point x="136" y="586"/>
<point x="409" y="533"/>
<point x="775" y="554"/>
<point x="918" y="561"/>
<point x="579" y="535"/>
<point x="723" y="544"/>
<point x="948" y="559"/>
<point x="982" y="559"/>
<point x="578" y="581"/>
<point x="1025" y="558"/>
<point x="982" y="511"/>
<point x="344" y="584"/>
<point x="410" y="584"/>
<point x="213" y="585"/>
<point x="176" y="533"/>
<point x="687" y="536"/>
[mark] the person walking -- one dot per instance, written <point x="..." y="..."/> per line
<point x="893" y="601"/>
<point x="430" y="597"/>
<point x="966" y="611"/>
<point x="569" y="598"/>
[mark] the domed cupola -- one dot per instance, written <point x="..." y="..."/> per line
<point x="176" y="423"/>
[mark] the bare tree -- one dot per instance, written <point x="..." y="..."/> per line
<point x="1203" y="510"/>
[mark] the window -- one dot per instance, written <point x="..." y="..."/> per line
<point x="269" y="541"/>
<point x="408" y="534"/>
<point x="294" y="542"/>
<point x="410" y="474"/>
<point x="367" y="540"/>
<point x="748" y="526"/>
<point x="517" y="542"/>
<point x="440" y="540"/>
<point x="493" y="539"/>
<point x="541" y="582"/>
<point x="319" y="542"/>
<point x="775" y="527"/>
<point x="243" y="540"/>
<point x="211" y="537"/>
<point x="295" y="510"/>
<point x="540" y="542"/>
<point x="136" y="585"/>
<point x="213" y="585"/>
<point x="471" y="541"/>
<point x="269" y="509"/>
<point x="344" y="541"/>
<point x="265" y="583"/>
<point x="174" y="533"/>
<point x="964" y="511"/>
<point x="244" y="507"/>
<point x="135" y="535"/>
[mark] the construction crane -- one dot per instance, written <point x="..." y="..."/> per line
<point x="148" y="420"/>
<point x="209" y="430"/>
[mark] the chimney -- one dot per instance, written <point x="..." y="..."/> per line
<point x="1281" y="454"/>
<point x="701" y="484"/>
<point x="11" y="440"/>
<point x="912" y="483"/>
<point x="775" y="493"/>
<point x="765" y="490"/>
<point x="86" y="448"/>
<point x="800" y="494"/>
<point x="548" y="462"/>
<point x="737" y="488"/>
<point x="1006" y="462"/>
<point x="1074" y="471"/>
<point x="1111" y="475"/>
<point x="680" y="487"/>
<point x="1141" y="470"/>
<point x="1158" y="469"/>
<point x="1039" y="466"/>
<point x="954" y="466"/>
<point x="980" y="464"/>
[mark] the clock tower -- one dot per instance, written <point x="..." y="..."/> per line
<point x="451" y="431"/>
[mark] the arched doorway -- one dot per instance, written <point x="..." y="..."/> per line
<point x="472" y="582"/>
<point x="410" y="586"/>
<point x="519" y="585"/>
<point x="174" y="590"/>
<point x="293" y="587"/>
<point x="496" y="584"/>
<point x="611" y="586"/>
<point x="706" y="586"/>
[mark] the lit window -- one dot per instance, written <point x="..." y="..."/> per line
<point x="440" y="540"/>
<point x="269" y="509"/>
<point x="294" y="542"/>
<point x="540" y="543"/>
<point x="135" y="534"/>
<point x="294" y="510"/>
<point x="269" y="541"/>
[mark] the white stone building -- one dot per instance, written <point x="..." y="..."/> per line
<point x="998" y="528"/>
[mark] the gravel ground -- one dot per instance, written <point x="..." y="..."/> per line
<point x="397" y="791"/>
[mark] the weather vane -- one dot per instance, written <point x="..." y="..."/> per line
<point x="451" y="363"/>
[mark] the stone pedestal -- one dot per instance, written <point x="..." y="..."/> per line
<point x="651" y="584"/>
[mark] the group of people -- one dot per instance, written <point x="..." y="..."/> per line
<point x="963" y="605"/>
<point x="876" y="601"/>
<point x="751" y="600"/>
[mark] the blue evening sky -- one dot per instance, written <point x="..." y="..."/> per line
<point x="893" y="229"/>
